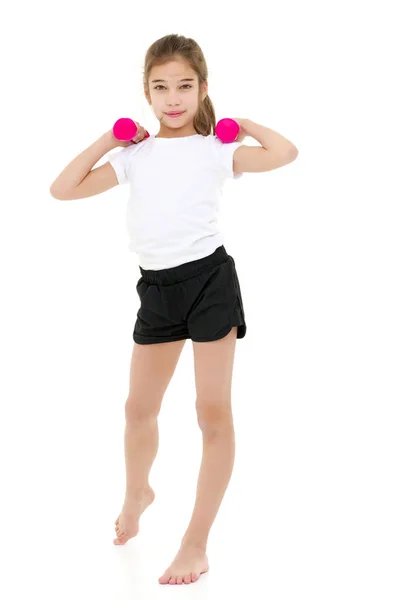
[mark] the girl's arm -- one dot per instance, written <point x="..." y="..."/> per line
<point x="76" y="171"/>
<point x="268" y="138"/>
<point x="275" y="150"/>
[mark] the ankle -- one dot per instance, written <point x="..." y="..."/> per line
<point x="137" y="494"/>
<point x="195" y="543"/>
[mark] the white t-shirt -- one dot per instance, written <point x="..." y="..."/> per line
<point x="175" y="186"/>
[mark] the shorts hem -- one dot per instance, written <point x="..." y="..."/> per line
<point x="141" y="339"/>
<point x="241" y="332"/>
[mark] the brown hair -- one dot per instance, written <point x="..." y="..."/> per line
<point x="175" y="47"/>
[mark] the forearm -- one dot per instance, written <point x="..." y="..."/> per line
<point x="268" y="138"/>
<point x="81" y="165"/>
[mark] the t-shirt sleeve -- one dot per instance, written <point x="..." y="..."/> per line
<point x="224" y="154"/>
<point x="122" y="162"/>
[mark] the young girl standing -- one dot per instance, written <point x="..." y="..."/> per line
<point x="188" y="288"/>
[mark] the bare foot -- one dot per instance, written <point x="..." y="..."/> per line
<point x="187" y="566"/>
<point x="127" y="524"/>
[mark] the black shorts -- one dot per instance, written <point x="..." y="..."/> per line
<point x="200" y="300"/>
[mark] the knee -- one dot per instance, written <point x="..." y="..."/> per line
<point x="213" y="416"/>
<point x="139" y="410"/>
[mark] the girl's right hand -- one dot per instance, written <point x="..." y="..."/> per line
<point x="140" y="136"/>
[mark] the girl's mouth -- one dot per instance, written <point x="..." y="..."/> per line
<point x="174" y="115"/>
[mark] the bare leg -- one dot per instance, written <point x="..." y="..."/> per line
<point x="141" y="445"/>
<point x="216" y="422"/>
<point x="215" y="473"/>
<point x="152" y="367"/>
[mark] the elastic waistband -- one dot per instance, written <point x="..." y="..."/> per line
<point x="184" y="271"/>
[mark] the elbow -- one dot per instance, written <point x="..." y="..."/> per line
<point x="289" y="155"/>
<point x="56" y="193"/>
<point x="292" y="152"/>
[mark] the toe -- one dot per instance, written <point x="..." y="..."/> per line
<point x="194" y="577"/>
<point x="187" y="579"/>
<point x="164" y="578"/>
<point x="179" y="579"/>
<point x="173" y="580"/>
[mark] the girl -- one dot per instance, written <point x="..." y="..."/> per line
<point x="188" y="286"/>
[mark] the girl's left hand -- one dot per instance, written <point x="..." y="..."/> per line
<point x="242" y="131"/>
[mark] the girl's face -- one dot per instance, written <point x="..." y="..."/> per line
<point x="174" y="87"/>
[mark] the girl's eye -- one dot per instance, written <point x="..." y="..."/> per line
<point x="186" y="84"/>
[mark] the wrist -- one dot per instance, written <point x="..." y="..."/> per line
<point x="246" y="124"/>
<point x="109" y="140"/>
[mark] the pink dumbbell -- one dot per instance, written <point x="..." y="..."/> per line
<point x="125" y="129"/>
<point x="227" y="130"/>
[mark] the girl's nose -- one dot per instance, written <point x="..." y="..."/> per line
<point x="172" y="100"/>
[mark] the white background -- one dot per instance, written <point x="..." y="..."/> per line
<point x="312" y="507"/>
